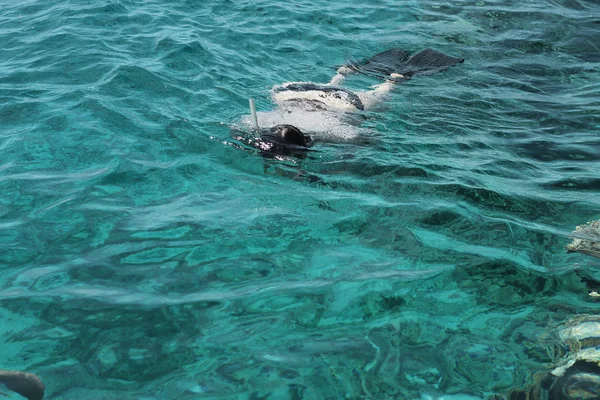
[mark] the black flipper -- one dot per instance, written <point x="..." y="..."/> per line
<point x="397" y="61"/>
<point x="383" y="63"/>
<point x="430" y="61"/>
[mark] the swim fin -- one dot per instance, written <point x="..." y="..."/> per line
<point x="398" y="61"/>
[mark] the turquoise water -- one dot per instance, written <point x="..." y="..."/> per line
<point x="146" y="254"/>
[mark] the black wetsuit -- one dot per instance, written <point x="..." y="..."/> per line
<point x="336" y="92"/>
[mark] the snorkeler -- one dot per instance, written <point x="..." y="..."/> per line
<point x="305" y="108"/>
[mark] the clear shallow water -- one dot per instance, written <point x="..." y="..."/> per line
<point x="145" y="255"/>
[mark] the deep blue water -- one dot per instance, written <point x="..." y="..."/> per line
<point x="146" y="254"/>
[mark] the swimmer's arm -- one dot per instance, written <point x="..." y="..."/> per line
<point x="380" y="92"/>
<point x="338" y="78"/>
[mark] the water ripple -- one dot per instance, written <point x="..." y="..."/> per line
<point x="146" y="253"/>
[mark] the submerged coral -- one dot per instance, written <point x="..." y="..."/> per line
<point x="587" y="240"/>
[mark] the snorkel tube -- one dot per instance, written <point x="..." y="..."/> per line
<point x="253" y="114"/>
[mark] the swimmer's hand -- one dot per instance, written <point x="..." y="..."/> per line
<point x="395" y="78"/>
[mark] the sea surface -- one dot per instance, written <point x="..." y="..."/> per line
<point x="146" y="253"/>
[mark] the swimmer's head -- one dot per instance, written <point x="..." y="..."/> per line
<point x="277" y="141"/>
<point x="292" y="135"/>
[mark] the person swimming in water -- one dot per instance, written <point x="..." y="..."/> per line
<point x="309" y="108"/>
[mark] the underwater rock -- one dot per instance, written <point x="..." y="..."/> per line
<point x="582" y="337"/>
<point x="577" y="374"/>
<point x="590" y="244"/>
<point x="27" y="385"/>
